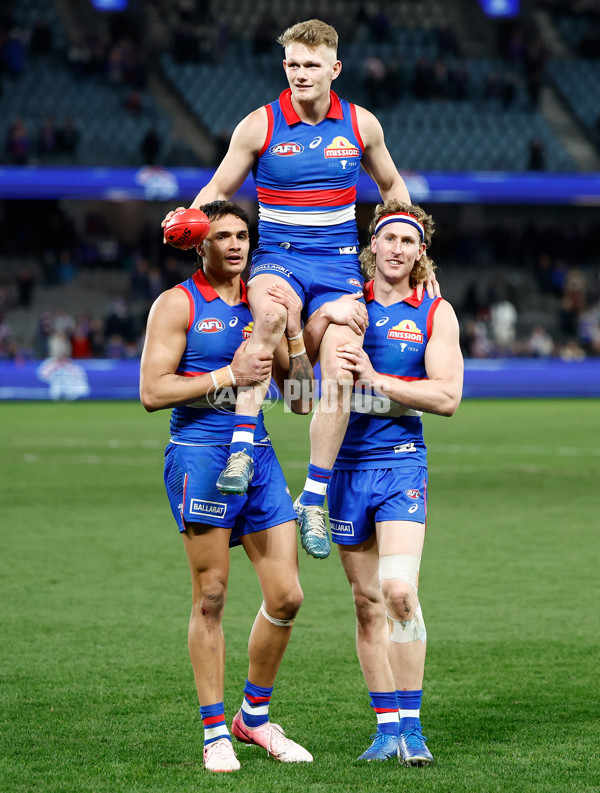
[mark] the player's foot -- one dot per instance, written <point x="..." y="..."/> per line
<point x="313" y="531"/>
<point x="272" y="738"/>
<point x="220" y="757"/>
<point x="412" y="749"/>
<point x="237" y="474"/>
<point x="383" y="747"/>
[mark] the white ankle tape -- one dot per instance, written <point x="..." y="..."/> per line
<point x="410" y="631"/>
<point x="274" y="620"/>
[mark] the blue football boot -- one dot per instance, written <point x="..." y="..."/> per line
<point x="313" y="530"/>
<point x="412" y="749"/>
<point x="237" y="474"/>
<point x="383" y="747"/>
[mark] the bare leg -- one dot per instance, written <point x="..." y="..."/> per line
<point x="207" y="549"/>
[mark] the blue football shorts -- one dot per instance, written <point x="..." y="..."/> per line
<point x="315" y="278"/>
<point x="191" y="473"/>
<point x="359" y="499"/>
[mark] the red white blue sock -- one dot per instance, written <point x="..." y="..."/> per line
<point x="315" y="487"/>
<point x="242" y="439"/>
<point x="385" y="705"/>
<point x="409" y="709"/>
<point x="213" y="719"/>
<point x="255" y="707"/>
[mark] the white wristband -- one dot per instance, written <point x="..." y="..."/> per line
<point x="214" y="380"/>
<point x="231" y="374"/>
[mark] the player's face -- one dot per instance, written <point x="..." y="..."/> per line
<point x="225" y="249"/>
<point x="310" y="71"/>
<point x="397" y="247"/>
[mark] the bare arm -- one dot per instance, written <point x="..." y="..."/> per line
<point x="442" y="391"/>
<point x="294" y="375"/>
<point x="246" y="142"/>
<point x="166" y="338"/>
<point x="376" y="159"/>
<point x="346" y="310"/>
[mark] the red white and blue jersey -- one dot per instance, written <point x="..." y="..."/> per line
<point x="395" y="342"/>
<point x="215" y="331"/>
<point x="306" y="177"/>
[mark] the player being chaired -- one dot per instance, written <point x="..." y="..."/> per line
<point x="410" y="363"/>
<point x="305" y="151"/>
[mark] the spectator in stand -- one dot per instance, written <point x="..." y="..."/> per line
<point x="42" y="38"/>
<point x="503" y="320"/>
<point x="47" y="141"/>
<point x="68" y="138"/>
<point x="540" y="343"/>
<point x="18" y="143"/>
<point x="150" y="146"/>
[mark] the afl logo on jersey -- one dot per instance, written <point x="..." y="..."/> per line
<point x="287" y="149"/>
<point x="209" y="325"/>
<point x="406" y="331"/>
<point x="354" y="282"/>
<point x="341" y="147"/>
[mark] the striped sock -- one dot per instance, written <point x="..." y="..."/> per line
<point x="213" y="719"/>
<point x="409" y="707"/>
<point x="386" y="709"/>
<point x="242" y="439"/>
<point x="255" y="707"/>
<point x="315" y="487"/>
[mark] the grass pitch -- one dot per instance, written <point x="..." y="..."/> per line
<point x="97" y="691"/>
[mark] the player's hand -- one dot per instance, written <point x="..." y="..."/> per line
<point x="168" y="217"/>
<point x="348" y="310"/>
<point x="356" y="360"/>
<point x="431" y="285"/>
<point x="282" y="293"/>
<point x="251" y="368"/>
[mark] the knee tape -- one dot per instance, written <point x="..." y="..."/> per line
<point x="274" y="620"/>
<point x="410" y="631"/>
<point x="400" y="567"/>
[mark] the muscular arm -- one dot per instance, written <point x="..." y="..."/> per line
<point x="166" y="337"/>
<point x="376" y="159"/>
<point x="442" y="391"/>
<point x="246" y="142"/>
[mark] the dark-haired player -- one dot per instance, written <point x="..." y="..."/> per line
<point x="194" y="351"/>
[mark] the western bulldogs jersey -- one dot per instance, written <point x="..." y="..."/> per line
<point x="395" y="342"/>
<point x="215" y="331"/>
<point x="306" y="178"/>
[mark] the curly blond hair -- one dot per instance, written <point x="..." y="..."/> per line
<point x="421" y="270"/>
<point x="311" y="33"/>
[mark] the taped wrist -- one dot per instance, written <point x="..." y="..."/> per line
<point x="223" y="377"/>
<point x="296" y="346"/>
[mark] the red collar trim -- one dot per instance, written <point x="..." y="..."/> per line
<point x="291" y="117"/>
<point x="209" y="293"/>
<point x="369" y="294"/>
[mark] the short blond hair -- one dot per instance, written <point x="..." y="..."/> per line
<point x="421" y="270"/>
<point x="312" y="33"/>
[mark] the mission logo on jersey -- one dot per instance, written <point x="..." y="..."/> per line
<point x="406" y="331"/>
<point x="247" y="331"/>
<point x="341" y="147"/>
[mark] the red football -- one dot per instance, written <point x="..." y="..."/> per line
<point x="187" y="228"/>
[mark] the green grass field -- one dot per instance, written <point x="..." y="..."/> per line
<point x="97" y="691"/>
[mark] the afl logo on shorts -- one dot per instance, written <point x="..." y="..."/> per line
<point x="413" y="493"/>
<point x="209" y="325"/>
<point x="286" y="149"/>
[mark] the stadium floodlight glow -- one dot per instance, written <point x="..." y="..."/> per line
<point x="500" y="8"/>
<point x="110" y="5"/>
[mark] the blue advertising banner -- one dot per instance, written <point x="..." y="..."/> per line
<point x="154" y="183"/>
<point x="61" y="379"/>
